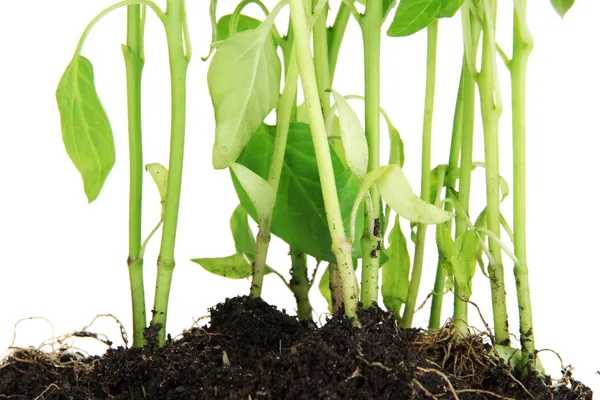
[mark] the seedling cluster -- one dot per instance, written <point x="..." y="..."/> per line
<point x="315" y="178"/>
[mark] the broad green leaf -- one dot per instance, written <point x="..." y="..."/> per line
<point x="299" y="214"/>
<point x="242" y="235"/>
<point x="394" y="279"/>
<point x="464" y="260"/>
<point x="243" y="81"/>
<point x="414" y="15"/>
<point x="161" y="177"/>
<point x="234" y="267"/>
<point x="86" y="131"/>
<point x="449" y="8"/>
<point x="353" y="136"/>
<point x="325" y="289"/>
<point x="260" y="192"/>
<point x="245" y="23"/>
<point x="562" y="6"/>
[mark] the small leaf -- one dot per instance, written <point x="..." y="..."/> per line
<point x="512" y="358"/>
<point x="86" y="131"/>
<point x="242" y="235"/>
<point x="414" y="15"/>
<point x="161" y="177"/>
<point x="562" y="6"/>
<point x="243" y="80"/>
<point x="259" y="190"/>
<point x="449" y="8"/>
<point x="396" y="147"/>
<point x="353" y="137"/>
<point x="245" y="23"/>
<point x="464" y="260"/>
<point x="445" y="245"/>
<point x="388" y="5"/>
<point x="234" y="267"/>
<point x="395" y="273"/>
<point x="325" y="289"/>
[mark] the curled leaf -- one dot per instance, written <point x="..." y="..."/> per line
<point x="161" y="177"/>
<point x="356" y="150"/>
<point x="395" y="274"/>
<point x="242" y="235"/>
<point x="259" y="190"/>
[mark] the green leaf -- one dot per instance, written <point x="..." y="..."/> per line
<point x="260" y="192"/>
<point x="388" y="5"/>
<point x="161" y="177"/>
<point x="299" y="214"/>
<point x="234" y="267"/>
<point x="464" y="260"/>
<point x="394" y="279"/>
<point x="445" y="245"/>
<point x="86" y="131"/>
<point x="243" y="81"/>
<point x="512" y="358"/>
<point x="325" y="290"/>
<point x="414" y="15"/>
<point x="242" y="235"/>
<point x="245" y="23"/>
<point x="353" y="136"/>
<point x="449" y="8"/>
<point x="562" y="6"/>
<point x="396" y="147"/>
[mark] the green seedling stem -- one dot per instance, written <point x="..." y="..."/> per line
<point x="415" y="279"/>
<point x="300" y="284"/>
<point x="371" y="239"/>
<point x="321" y="58"/>
<point x="522" y="46"/>
<point x="341" y="246"/>
<point x="179" y="57"/>
<point x="284" y="114"/>
<point x="337" y="35"/>
<point x="133" y="52"/>
<point x="435" y="317"/>
<point x="491" y="109"/>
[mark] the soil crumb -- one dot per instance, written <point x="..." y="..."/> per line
<point x="251" y="350"/>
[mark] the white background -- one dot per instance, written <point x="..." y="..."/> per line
<point x="64" y="260"/>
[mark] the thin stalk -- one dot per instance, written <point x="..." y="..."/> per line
<point x="491" y="109"/>
<point x="321" y="58"/>
<point x="134" y="63"/>
<point x="337" y="32"/>
<point x="284" y="114"/>
<point x="335" y="287"/>
<point x="300" y="284"/>
<point x="371" y="239"/>
<point x="178" y="62"/>
<point x="341" y="246"/>
<point x="415" y="279"/>
<point x="435" y="317"/>
<point x="522" y="47"/>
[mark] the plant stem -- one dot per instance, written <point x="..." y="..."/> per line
<point x="491" y="109"/>
<point x="417" y="270"/>
<point x="371" y="240"/>
<point x="341" y="246"/>
<point x="300" y="284"/>
<point x="435" y="316"/>
<point x="337" y="35"/>
<point x="335" y="286"/>
<point x="522" y="47"/>
<point x="284" y="113"/>
<point x="321" y="58"/>
<point x="134" y="63"/>
<point x="178" y="62"/>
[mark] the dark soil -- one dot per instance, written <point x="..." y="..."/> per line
<point x="252" y="351"/>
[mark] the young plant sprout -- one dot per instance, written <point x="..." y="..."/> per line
<point x="315" y="178"/>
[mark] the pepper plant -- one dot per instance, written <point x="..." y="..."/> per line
<point x="315" y="178"/>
